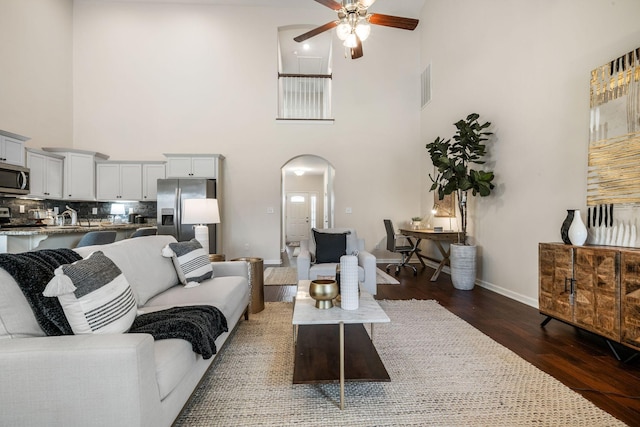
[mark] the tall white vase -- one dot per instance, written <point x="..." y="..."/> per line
<point x="463" y="266"/>
<point x="349" y="282"/>
<point x="577" y="230"/>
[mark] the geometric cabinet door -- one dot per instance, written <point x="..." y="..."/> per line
<point x="580" y="285"/>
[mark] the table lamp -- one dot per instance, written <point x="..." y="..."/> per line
<point x="201" y="212"/>
<point x="117" y="209"/>
<point x="440" y="211"/>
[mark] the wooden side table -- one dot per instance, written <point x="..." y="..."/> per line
<point x="256" y="282"/>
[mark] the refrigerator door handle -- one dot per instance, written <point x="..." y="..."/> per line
<point x="178" y="208"/>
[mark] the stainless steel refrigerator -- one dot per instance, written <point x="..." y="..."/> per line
<point x="171" y="196"/>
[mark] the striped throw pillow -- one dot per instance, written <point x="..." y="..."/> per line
<point x="94" y="294"/>
<point x="190" y="260"/>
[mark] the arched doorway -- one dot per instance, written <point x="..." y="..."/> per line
<point x="307" y="197"/>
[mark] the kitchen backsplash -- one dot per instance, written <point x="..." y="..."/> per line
<point x="146" y="209"/>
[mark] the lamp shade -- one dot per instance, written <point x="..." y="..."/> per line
<point x="363" y="29"/>
<point x="200" y="211"/>
<point x="343" y="29"/>
<point x="351" y="41"/>
<point x="117" y="209"/>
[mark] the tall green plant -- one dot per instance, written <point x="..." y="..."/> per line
<point x="453" y="160"/>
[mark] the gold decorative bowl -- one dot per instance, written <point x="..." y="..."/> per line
<point x="323" y="291"/>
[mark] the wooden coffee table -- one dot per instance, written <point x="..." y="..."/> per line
<point x="321" y="353"/>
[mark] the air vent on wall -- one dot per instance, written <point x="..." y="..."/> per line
<point x="425" y="86"/>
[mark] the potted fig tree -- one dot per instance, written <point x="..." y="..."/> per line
<point x="453" y="161"/>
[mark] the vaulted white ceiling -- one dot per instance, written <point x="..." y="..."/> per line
<point x="408" y="8"/>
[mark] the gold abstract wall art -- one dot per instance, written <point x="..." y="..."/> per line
<point x="614" y="137"/>
<point x="446" y="208"/>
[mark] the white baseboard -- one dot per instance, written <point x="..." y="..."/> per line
<point x="508" y="293"/>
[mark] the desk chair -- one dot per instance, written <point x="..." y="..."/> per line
<point x="97" y="238"/>
<point x="406" y="249"/>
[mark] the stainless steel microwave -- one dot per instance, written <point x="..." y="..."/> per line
<point x="14" y="179"/>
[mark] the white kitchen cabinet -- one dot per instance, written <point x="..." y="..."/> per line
<point x="151" y="173"/>
<point x="79" y="172"/>
<point x="107" y="181"/>
<point x="12" y="148"/>
<point x="193" y="165"/>
<point x="45" y="175"/>
<point x="118" y="181"/>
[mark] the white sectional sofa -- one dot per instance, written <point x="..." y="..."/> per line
<point x="111" y="379"/>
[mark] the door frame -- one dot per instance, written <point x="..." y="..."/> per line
<point x="327" y="195"/>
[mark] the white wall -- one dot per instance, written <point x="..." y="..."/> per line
<point x="154" y="78"/>
<point x="151" y="78"/>
<point x="524" y="66"/>
<point x="36" y="72"/>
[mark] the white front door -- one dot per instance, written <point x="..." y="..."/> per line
<point x="297" y="221"/>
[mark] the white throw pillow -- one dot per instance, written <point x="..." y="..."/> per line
<point x="94" y="294"/>
<point x="190" y="260"/>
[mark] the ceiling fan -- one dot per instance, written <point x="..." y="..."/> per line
<point x="353" y="24"/>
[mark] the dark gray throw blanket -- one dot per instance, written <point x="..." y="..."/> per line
<point x="198" y="324"/>
<point x="32" y="271"/>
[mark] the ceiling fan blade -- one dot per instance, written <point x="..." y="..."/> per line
<point x="331" y="4"/>
<point x="316" y="31"/>
<point x="356" y="52"/>
<point x="393" y="21"/>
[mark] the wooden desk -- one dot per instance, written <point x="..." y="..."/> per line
<point x="437" y="237"/>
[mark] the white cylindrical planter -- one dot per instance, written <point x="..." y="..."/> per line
<point x="349" y="282"/>
<point x="463" y="266"/>
<point x="577" y="230"/>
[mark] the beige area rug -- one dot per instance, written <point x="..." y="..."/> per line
<point x="383" y="278"/>
<point x="289" y="276"/>
<point x="444" y="372"/>
<point x="280" y="276"/>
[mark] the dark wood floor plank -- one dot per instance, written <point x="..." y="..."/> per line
<point x="578" y="359"/>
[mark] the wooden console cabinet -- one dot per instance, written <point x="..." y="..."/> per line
<point x="596" y="288"/>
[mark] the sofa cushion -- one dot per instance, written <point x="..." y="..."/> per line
<point x="352" y="241"/>
<point x="329" y="270"/>
<point x="225" y="293"/>
<point x="95" y="295"/>
<point x="142" y="263"/>
<point x="16" y="316"/>
<point x="329" y="246"/>
<point x="190" y="260"/>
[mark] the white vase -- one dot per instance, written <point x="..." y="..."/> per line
<point x="577" y="230"/>
<point x="349" y="284"/>
<point x="463" y="266"/>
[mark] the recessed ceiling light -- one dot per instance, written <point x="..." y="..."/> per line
<point x="306" y="46"/>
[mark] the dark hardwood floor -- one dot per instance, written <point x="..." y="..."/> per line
<point x="578" y="359"/>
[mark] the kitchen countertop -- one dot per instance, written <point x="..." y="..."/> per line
<point x="67" y="229"/>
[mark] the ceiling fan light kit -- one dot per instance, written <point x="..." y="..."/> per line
<point x="353" y="24"/>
